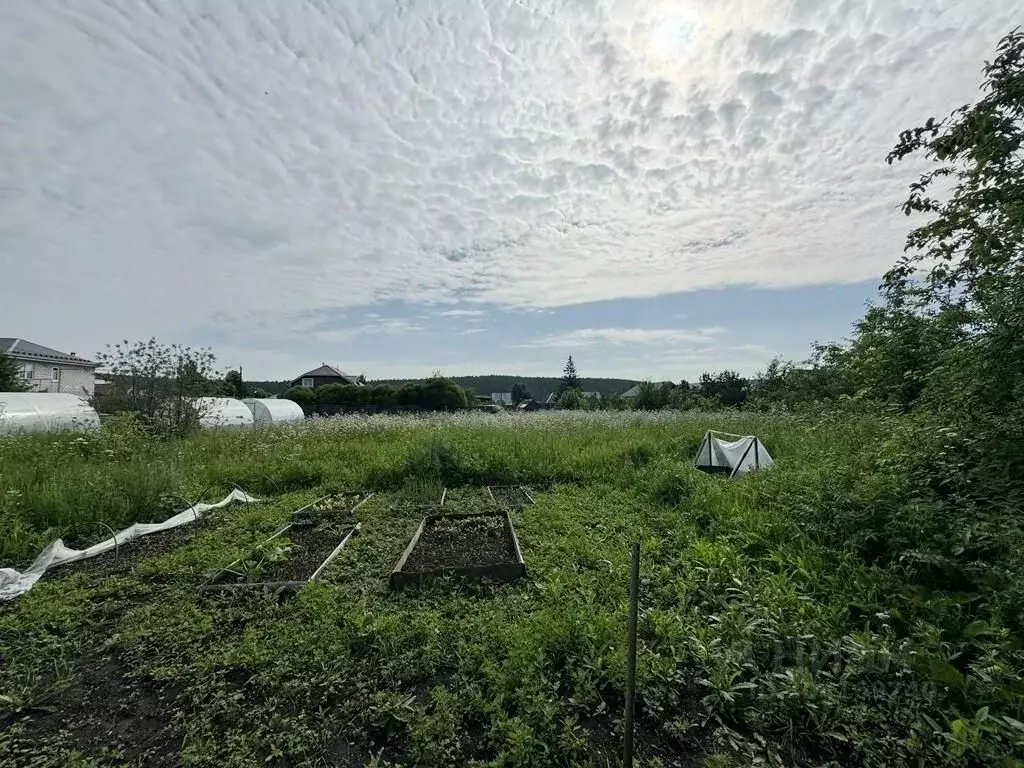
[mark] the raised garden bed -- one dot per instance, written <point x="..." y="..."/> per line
<point x="476" y="546"/>
<point x="294" y="556"/>
<point x="510" y="496"/>
<point x="333" y="506"/>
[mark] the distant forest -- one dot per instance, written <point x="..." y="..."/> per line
<point x="538" y="386"/>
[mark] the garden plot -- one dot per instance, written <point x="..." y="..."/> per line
<point x="126" y="556"/>
<point x="510" y="496"/>
<point x="333" y="507"/>
<point x="482" y="545"/>
<point x="294" y="556"/>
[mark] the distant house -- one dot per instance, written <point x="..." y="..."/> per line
<point x="325" y="374"/>
<point x="501" y="398"/>
<point x="532" y="405"/>
<point x="635" y="389"/>
<point x="44" y="369"/>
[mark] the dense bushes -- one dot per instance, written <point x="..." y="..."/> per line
<point x="435" y="394"/>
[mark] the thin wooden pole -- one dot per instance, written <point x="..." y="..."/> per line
<point x="634" y="598"/>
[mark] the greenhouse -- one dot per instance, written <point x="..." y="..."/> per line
<point x="217" y="412"/>
<point x="36" y="412"/>
<point x="271" y="410"/>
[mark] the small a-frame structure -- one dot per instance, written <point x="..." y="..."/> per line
<point x="733" y="455"/>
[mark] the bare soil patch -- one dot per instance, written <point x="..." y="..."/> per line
<point x="108" y="709"/>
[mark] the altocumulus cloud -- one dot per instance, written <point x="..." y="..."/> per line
<point x="585" y="337"/>
<point x="166" y="160"/>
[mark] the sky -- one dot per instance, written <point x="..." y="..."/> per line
<point x="657" y="188"/>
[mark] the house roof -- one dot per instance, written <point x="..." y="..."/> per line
<point x="26" y="350"/>
<point x="326" y="371"/>
<point x="635" y="389"/>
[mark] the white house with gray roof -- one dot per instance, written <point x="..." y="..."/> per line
<point x="46" y="370"/>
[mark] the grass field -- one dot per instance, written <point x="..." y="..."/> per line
<point x="773" y="631"/>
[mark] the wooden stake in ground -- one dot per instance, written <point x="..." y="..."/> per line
<point x="634" y="597"/>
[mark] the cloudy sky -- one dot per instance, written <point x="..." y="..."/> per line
<point x="657" y="187"/>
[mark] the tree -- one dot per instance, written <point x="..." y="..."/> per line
<point x="569" y="378"/>
<point x="159" y="382"/>
<point x="260" y="393"/>
<point x="727" y="387"/>
<point x="520" y="393"/>
<point x="304" y="397"/>
<point x="974" y="241"/>
<point x="10" y="375"/>
<point x="651" y="396"/>
<point x="234" y="386"/>
<point x="571" y="399"/>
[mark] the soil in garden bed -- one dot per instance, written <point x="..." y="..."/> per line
<point x="453" y="543"/>
<point x="293" y="556"/>
<point x="128" y="554"/>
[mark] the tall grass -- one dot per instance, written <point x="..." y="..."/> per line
<point x="68" y="485"/>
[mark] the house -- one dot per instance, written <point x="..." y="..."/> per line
<point x="47" y="370"/>
<point x="501" y="398"/>
<point x="528" y="406"/>
<point x="635" y="389"/>
<point x="325" y="374"/>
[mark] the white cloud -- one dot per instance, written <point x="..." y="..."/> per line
<point x="462" y="313"/>
<point x="590" y="336"/>
<point x="168" y="170"/>
<point x="374" y="325"/>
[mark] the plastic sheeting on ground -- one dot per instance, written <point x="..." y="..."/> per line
<point x="13" y="583"/>
<point x="736" y="457"/>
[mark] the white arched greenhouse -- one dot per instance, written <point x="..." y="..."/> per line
<point x="271" y="410"/>
<point x="223" y="412"/>
<point x="35" y="412"/>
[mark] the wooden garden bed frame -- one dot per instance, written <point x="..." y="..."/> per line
<point x="497" y="571"/>
<point x="276" y="586"/>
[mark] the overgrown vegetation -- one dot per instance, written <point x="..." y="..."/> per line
<point x="831" y="611"/>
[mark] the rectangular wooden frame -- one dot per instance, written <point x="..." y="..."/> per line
<point x="276" y="586"/>
<point x="497" y="571"/>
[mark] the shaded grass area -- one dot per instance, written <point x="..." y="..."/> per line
<point x="767" y="634"/>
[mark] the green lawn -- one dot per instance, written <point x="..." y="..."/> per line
<point x="771" y="632"/>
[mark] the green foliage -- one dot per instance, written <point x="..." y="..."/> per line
<point x="652" y="397"/>
<point x="158" y="382"/>
<point x="801" y="611"/>
<point x="234" y="386"/>
<point x="974" y="241"/>
<point x="302" y="396"/>
<point x="10" y="375"/>
<point x="571" y="399"/>
<point x="570" y="380"/>
<point x="727" y="387"/>
<point x="520" y="393"/>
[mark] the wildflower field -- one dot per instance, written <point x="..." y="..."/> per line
<point x="835" y="610"/>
